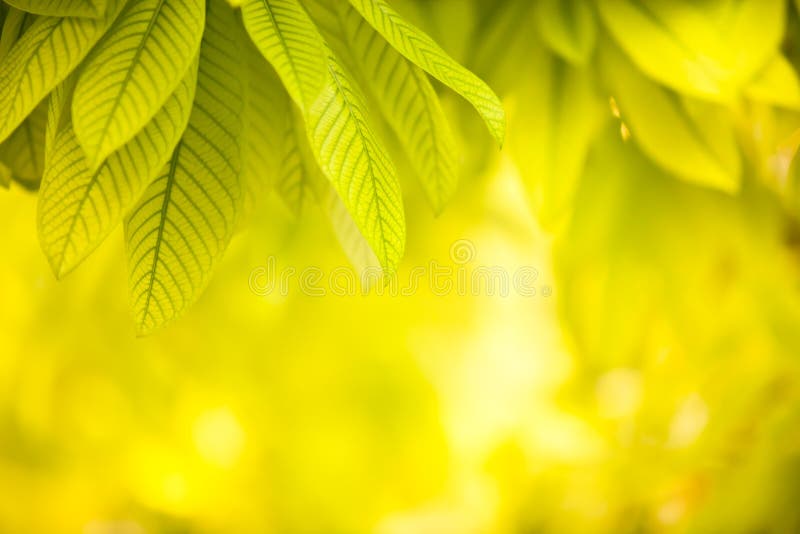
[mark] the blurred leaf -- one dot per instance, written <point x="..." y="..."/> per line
<point x="79" y="207"/>
<point x="23" y="152"/>
<point x="502" y="41"/>
<point x="420" y="49"/>
<point x="692" y="139"/>
<point x="61" y="8"/>
<point x="132" y="71"/>
<point x="776" y="84"/>
<point x="568" y="27"/>
<point x="5" y="175"/>
<point x="558" y="112"/>
<point x="266" y="114"/>
<point x="299" y="182"/>
<point x="709" y="49"/>
<point x="410" y="105"/>
<point x="179" y="230"/>
<point x="47" y="52"/>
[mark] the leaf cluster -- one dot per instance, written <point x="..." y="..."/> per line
<point x="171" y="117"/>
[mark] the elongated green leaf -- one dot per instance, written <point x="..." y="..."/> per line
<point x="424" y="52"/>
<point x="132" y="72"/>
<point x="46" y="53"/>
<point x="61" y="8"/>
<point x="299" y="181"/>
<point x="358" y="166"/>
<point x="79" y="207"/>
<point x="23" y="151"/>
<point x="181" y="227"/>
<point x="692" y="139"/>
<point x="410" y="105"/>
<point x="706" y="49"/>
<point x="285" y="35"/>
<point x="567" y="27"/>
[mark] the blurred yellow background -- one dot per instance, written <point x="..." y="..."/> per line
<point x="651" y="383"/>
<point x="656" y="389"/>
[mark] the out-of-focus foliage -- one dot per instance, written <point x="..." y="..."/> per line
<point x="651" y="383"/>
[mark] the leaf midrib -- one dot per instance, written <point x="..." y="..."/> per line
<point x="365" y="141"/>
<point x="161" y="225"/>
<point x="129" y="73"/>
<point x="287" y="53"/>
<point x="27" y="64"/>
<point x="74" y="219"/>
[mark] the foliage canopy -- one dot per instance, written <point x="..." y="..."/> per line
<point x="176" y="116"/>
<point x="169" y="113"/>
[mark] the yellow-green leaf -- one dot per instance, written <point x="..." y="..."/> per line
<point x="45" y="54"/>
<point x="776" y="84"/>
<point x="23" y="152"/>
<point x="358" y="165"/>
<point x="266" y="113"/>
<point x="61" y="8"/>
<point x="79" y="207"/>
<point x="410" y="105"/>
<point x="420" y="49"/>
<point x="694" y="140"/>
<point x="708" y="49"/>
<point x="133" y="70"/>
<point x="180" y="228"/>
<point x="286" y="36"/>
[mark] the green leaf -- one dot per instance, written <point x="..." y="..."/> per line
<point x="692" y="139"/>
<point x="709" y="50"/>
<point x="133" y="70"/>
<point x="410" y="105"/>
<point x="286" y="36"/>
<point x="79" y="207"/>
<point x="42" y="58"/>
<point x="420" y="49"/>
<point x="61" y="8"/>
<point x="58" y="114"/>
<point x="557" y="111"/>
<point x="567" y="27"/>
<point x="23" y="152"/>
<point x="179" y="230"/>
<point x="358" y="165"/>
